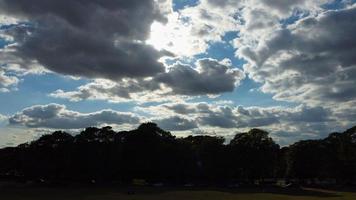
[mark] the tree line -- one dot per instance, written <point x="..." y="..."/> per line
<point x="155" y="155"/>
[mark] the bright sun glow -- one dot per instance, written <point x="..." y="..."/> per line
<point x="175" y="37"/>
<point x="159" y="37"/>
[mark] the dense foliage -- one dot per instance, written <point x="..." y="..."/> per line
<point x="155" y="155"/>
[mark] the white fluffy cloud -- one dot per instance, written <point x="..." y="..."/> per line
<point x="7" y="81"/>
<point x="2" y="118"/>
<point x="311" y="61"/>
<point x="191" y="30"/>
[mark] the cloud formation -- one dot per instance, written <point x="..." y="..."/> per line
<point x="311" y="61"/>
<point x="297" y="50"/>
<point x="176" y="123"/>
<point x="7" y="81"/>
<point x="2" y="118"/>
<point x="140" y="90"/>
<point x="222" y="116"/>
<point x="193" y="29"/>
<point x="55" y="116"/>
<point x="209" y="77"/>
<point x="91" y="38"/>
<point x="206" y="77"/>
<point x="285" y="124"/>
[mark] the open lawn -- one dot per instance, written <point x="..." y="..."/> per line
<point x="169" y="194"/>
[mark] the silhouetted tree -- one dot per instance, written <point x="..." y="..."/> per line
<point x="155" y="155"/>
<point x="331" y="158"/>
<point x="254" y="155"/>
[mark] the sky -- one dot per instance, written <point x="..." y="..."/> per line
<point x="213" y="67"/>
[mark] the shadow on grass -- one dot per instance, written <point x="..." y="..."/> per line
<point x="305" y="192"/>
<point x="273" y="190"/>
<point x="82" y="192"/>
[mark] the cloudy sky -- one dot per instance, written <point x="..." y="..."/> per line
<point x="192" y="66"/>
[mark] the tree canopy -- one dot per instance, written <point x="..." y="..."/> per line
<point x="155" y="155"/>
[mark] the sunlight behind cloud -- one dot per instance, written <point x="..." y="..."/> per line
<point x="159" y="37"/>
<point x="175" y="36"/>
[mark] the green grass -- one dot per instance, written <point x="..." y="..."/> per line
<point x="168" y="194"/>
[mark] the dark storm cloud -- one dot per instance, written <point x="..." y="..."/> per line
<point x="59" y="117"/>
<point x="92" y="38"/>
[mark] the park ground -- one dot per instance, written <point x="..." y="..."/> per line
<point x="112" y="193"/>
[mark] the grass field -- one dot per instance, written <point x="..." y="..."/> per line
<point x="168" y="194"/>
